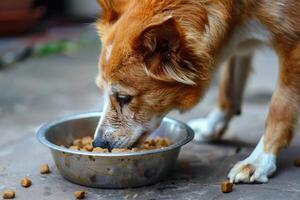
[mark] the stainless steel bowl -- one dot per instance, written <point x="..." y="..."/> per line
<point x="111" y="170"/>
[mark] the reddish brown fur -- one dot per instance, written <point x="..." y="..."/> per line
<point x="195" y="31"/>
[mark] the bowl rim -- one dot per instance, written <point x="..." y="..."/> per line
<point x="41" y="131"/>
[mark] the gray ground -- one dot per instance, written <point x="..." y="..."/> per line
<point x="42" y="89"/>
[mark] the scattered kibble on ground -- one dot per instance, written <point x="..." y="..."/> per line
<point x="226" y="186"/>
<point x="26" y="182"/>
<point x="44" y="169"/>
<point x="79" y="194"/>
<point x="85" y="144"/>
<point x="8" y="194"/>
<point x="297" y="162"/>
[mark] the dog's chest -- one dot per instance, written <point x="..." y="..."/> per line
<point x="245" y="39"/>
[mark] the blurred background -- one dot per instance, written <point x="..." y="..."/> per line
<point x="34" y="28"/>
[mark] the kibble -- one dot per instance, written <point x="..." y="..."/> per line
<point x="26" y="182"/>
<point x="86" y="140"/>
<point x="8" y="194"/>
<point x="77" y="143"/>
<point x="79" y="194"/>
<point x="120" y="150"/>
<point x="100" y="150"/>
<point x="85" y="144"/>
<point x="44" y="169"/>
<point x="156" y="143"/>
<point x="73" y="147"/>
<point x="88" y="147"/>
<point x="226" y="186"/>
<point x="297" y="162"/>
<point x="135" y="149"/>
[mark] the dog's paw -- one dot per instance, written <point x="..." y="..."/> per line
<point x="210" y="128"/>
<point x="253" y="170"/>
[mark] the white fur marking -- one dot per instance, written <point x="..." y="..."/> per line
<point x="263" y="165"/>
<point x="104" y="113"/>
<point x="108" y="53"/>
<point x="207" y="129"/>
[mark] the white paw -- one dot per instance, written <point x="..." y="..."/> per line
<point x="258" y="167"/>
<point x="210" y="128"/>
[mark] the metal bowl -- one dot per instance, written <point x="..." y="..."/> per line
<point x="111" y="170"/>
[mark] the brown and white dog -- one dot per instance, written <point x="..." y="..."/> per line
<point x="159" y="55"/>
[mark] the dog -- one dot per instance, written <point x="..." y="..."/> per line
<point x="160" y="55"/>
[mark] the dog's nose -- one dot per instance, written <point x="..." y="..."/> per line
<point x="101" y="143"/>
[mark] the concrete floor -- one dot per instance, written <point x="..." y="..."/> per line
<point x="41" y="89"/>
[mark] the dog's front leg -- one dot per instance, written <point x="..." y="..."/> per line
<point x="232" y="83"/>
<point x="282" y="117"/>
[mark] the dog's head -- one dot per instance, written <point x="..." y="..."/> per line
<point x="146" y="69"/>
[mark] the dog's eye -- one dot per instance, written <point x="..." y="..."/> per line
<point x="123" y="99"/>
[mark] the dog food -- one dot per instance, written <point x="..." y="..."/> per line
<point x="100" y="150"/>
<point x="156" y="143"/>
<point x="8" y="194"/>
<point x="79" y="194"/>
<point x="297" y="162"/>
<point x="120" y="150"/>
<point x="85" y="144"/>
<point x="77" y="142"/>
<point x="74" y="147"/>
<point x="26" y="182"/>
<point x="44" y="169"/>
<point x="88" y="147"/>
<point x="226" y="186"/>
<point x="86" y="140"/>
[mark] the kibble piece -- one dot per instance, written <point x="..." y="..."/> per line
<point x="152" y="142"/>
<point x="86" y="140"/>
<point x="226" y="186"/>
<point x="77" y="142"/>
<point x="135" y="149"/>
<point x="44" y="169"/>
<point x="165" y="142"/>
<point x="147" y="146"/>
<point x="79" y="194"/>
<point x="73" y="147"/>
<point x="297" y="162"/>
<point x="26" y="182"/>
<point x="8" y="194"/>
<point x="162" y="142"/>
<point x="100" y="150"/>
<point x="120" y="150"/>
<point x="88" y="147"/>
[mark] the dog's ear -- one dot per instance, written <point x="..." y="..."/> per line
<point x="161" y="46"/>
